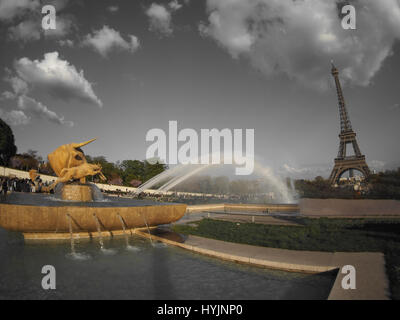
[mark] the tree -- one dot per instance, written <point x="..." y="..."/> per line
<point x="25" y="161"/>
<point x="151" y="170"/>
<point x="34" y="155"/>
<point x="135" y="183"/>
<point x="7" y="143"/>
<point x="127" y="172"/>
<point x="132" y="171"/>
<point x="109" y="169"/>
<point x="46" y="168"/>
<point x="221" y="185"/>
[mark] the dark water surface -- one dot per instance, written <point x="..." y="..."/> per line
<point x="51" y="200"/>
<point x="153" y="272"/>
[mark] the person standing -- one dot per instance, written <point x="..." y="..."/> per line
<point x="4" y="187"/>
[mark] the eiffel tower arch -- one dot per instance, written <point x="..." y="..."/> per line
<point x="347" y="136"/>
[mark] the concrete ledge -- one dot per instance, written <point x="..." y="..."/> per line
<point x="76" y="235"/>
<point x="243" y="207"/>
<point x="371" y="279"/>
<point x="204" y="207"/>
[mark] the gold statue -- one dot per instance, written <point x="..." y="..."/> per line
<point x="33" y="175"/>
<point x="79" y="172"/>
<point x="69" y="163"/>
<point x="67" y="156"/>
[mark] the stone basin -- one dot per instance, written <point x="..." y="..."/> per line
<point x="44" y="213"/>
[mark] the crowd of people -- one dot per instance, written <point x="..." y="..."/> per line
<point x="14" y="184"/>
<point x="190" y="198"/>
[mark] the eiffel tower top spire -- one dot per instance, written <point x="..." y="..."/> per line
<point x="345" y="124"/>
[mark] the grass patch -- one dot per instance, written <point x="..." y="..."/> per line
<point x="323" y="234"/>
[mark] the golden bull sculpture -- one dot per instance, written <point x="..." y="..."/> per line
<point x="69" y="164"/>
<point x="67" y="156"/>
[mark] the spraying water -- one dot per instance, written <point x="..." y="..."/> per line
<point x="71" y="234"/>
<point x="159" y="178"/>
<point x="148" y="229"/>
<point x="128" y="246"/>
<point x="180" y="173"/>
<point x="123" y="229"/>
<point x="73" y="254"/>
<point x="175" y="181"/>
<point x="103" y="249"/>
<point x="293" y="186"/>
<point x="280" y="186"/>
<point x="97" y="194"/>
<point x="99" y="231"/>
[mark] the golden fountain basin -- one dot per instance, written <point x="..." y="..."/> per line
<point x="42" y="213"/>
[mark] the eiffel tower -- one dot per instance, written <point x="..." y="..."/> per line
<point x="347" y="136"/>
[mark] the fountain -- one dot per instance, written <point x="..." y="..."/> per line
<point x="99" y="231"/>
<point x="176" y="175"/>
<point x="178" y="179"/>
<point x="281" y="187"/>
<point x="148" y="229"/>
<point x="124" y="230"/>
<point x="71" y="235"/>
<point x="42" y="216"/>
<point x="158" y="178"/>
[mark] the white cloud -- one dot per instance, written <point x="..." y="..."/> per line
<point x="113" y="9"/>
<point x="57" y="77"/>
<point x="291" y="169"/>
<point x="10" y="9"/>
<point x="7" y="95"/>
<point x="52" y="75"/>
<point x="107" y="39"/>
<point x="174" y="5"/>
<point x="66" y="43"/>
<point x="27" y="104"/>
<point x="19" y="86"/>
<point x="309" y="172"/>
<point x="15" y="117"/>
<point x="299" y="38"/>
<point x="38" y="109"/>
<point x="160" y="17"/>
<point x="28" y="30"/>
<point x="24" y="19"/>
<point x="134" y="43"/>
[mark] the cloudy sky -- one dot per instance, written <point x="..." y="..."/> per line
<point x="116" y="69"/>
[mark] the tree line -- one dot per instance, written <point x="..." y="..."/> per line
<point x="130" y="173"/>
<point x="381" y="185"/>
